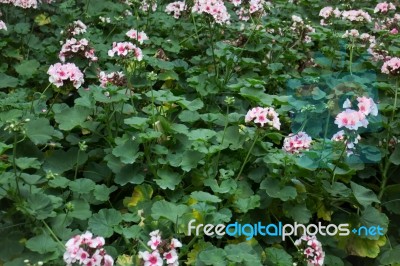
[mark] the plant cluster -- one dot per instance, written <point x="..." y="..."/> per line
<point x="129" y="119"/>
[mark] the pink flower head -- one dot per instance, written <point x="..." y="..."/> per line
<point x="171" y="256"/>
<point x="175" y="244"/>
<point x="384" y="7"/>
<point x="215" y="8"/>
<point x="312" y="250"/>
<point x="154" y="242"/>
<point x="356" y="16"/>
<point x="136" y="35"/>
<point x="263" y="116"/>
<point x="176" y="8"/>
<point x="86" y="250"/>
<point x="367" y="106"/>
<point x="351" y="119"/>
<point x="392" y="66"/>
<point x="296" y="143"/>
<point x="62" y="72"/>
<point x="124" y="48"/>
<point x="151" y="259"/>
<point x="148" y="4"/>
<point x="339" y="136"/>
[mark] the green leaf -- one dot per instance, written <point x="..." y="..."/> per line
<point x="391" y="256"/>
<point x="26" y="163"/>
<point x="372" y="217"/>
<point x="278" y="257"/>
<point x="42" y="244"/>
<point x="248" y="203"/>
<point x="60" y="161"/>
<point x="204" y="196"/>
<point x="7" y="81"/>
<point x="168" y="210"/>
<point x="39" y="131"/>
<point x="298" y="212"/>
<point x="40" y="206"/>
<point x="132" y="231"/>
<point x="243" y="253"/>
<point x="10" y="244"/>
<point x="275" y="190"/>
<point x="395" y="156"/>
<point x="27" y="68"/>
<point x="102" y="223"/>
<point x="168" y="179"/>
<point x="72" y="117"/>
<point x="127" y="150"/>
<point x="137" y="122"/>
<point x="189" y="116"/>
<point x="129" y="173"/>
<point x="213" y="256"/>
<point x="190" y="159"/>
<point x="102" y="192"/>
<point x="201" y="134"/>
<point x="81" y="209"/>
<point x="363" y="195"/>
<point x="82" y="185"/>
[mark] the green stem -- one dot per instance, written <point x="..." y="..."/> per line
<point x="15" y="164"/>
<point x="351" y="56"/>
<point x="53" y="235"/>
<point x="76" y="166"/>
<point x="223" y="137"/>
<point x="385" y="175"/>
<point x="188" y="246"/>
<point x="145" y="246"/>
<point x="247" y="156"/>
<point x="340" y="157"/>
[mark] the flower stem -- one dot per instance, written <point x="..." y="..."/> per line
<point x="351" y="56"/>
<point x="247" y="156"/>
<point x="385" y="175"/>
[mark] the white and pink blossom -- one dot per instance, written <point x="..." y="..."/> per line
<point x="263" y="116"/>
<point x="296" y="143"/>
<point x="59" y="73"/>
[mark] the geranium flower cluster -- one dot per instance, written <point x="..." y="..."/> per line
<point x="176" y="8"/>
<point x="384" y="7"/>
<point x="73" y="47"/>
<point x="311" y="250"/>
<point x="296" y="143"/>
<point x="25" y="3"/>
<point x="148" y="4"/>
<point x="356" y="15"/>
<point x="389" y="24"/>
<point x="327" y="13"/>
<point x="352" y="120"/>
<point x="215" y="8"/>
<point x="263" y="116"/>
<point x="138" y="36"/>
<point x="114" y="78"/>
<point x="163" y="250"/>
<point x="87" y="250"/>
<point x="59" y="73"/>
<point x="301" y="29"/>
<point x="351" y="33"/>
<point x="247" y="8"/>
<point x="391" y="66"/>
<point x="124" y="49"/>
<point x="76" y="28"/>
<point x="352" y="15"/>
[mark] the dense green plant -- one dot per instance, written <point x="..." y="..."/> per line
<point x="167" y="142"/>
